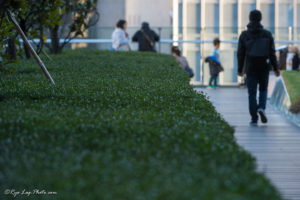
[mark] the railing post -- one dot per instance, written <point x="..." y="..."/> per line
<point x="290" y="33"/>
<point x="159" y="44"/>
<point x="202" y="54"/>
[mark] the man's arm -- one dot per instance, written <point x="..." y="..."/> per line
<point x="273" y="58"/>
<point x="135" y="37"/>
<point x="241" y="55"/>
<point x="156" y="37"/>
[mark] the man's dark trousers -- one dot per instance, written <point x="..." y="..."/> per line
<point x="253" y="81"/>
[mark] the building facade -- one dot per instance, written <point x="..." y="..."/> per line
<point x="156" y="12"/>
<point x="226" y="17"/>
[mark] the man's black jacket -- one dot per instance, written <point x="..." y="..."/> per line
<point x="296" y="62"/>
<point x="144" y="37"/>
<point x="255" y="65"/>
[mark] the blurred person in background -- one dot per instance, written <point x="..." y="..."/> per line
<point x="182" y="61"/>
<point x="296" y="59"/>
<point x="289" y="58"/>
<point x="146" y="38"/>
<point x="120" y="38"/>
<point x="282" y="57"/>
<point x="215" y="66"/>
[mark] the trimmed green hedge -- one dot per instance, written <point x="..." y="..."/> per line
<point x="292" y="81"/>
<point x="118" y="126"/>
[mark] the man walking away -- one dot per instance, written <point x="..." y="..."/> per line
<point x="146" y="38"/>
<point x="256" y="48"/>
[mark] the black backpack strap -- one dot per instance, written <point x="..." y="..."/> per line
<point x="148" y="38"/>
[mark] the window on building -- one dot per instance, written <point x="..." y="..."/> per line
<point x="268" y="11"/>
<point x="198" y="18"/>
<point x="212" y="17"/>
<point x="230" y="18"/>
<point x="246" y="9"/>
<point x="180" y="15"/>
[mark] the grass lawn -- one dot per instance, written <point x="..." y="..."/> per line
<point x="292" y="81"/>
<point x="118" y="126"/>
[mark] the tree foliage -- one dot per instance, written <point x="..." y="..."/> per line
<point x="78" y="16"/>
<point x="8" y="40"/>
<point x="36" y="18"/>
<point x="59" y="19"/>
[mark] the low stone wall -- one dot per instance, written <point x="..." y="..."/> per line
<point x="281" y="101"/>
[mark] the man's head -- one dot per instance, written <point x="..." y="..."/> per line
<point x="255" y="16"/>
<point x="217" y="43"/>
<point x="145" y="26"/>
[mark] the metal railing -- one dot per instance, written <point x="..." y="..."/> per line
<point x="162" y="41"/>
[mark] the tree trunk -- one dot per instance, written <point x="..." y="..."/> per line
<point x="41" y="29"/>
<point x="12" y="50"/>
<point x="24" y="29"/>
<point x="27" y="52"/>
<point x="55" y="47"/>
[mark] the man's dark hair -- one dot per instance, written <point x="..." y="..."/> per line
<point x="216" y="41"/>
<point x="121" y="23"/>
<point x="145" y="26"/>
<point x="255" y="16"/>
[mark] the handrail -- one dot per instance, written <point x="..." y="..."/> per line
<point x="163" y="41"/>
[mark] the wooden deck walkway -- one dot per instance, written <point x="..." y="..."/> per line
<point x="275" y="145"/>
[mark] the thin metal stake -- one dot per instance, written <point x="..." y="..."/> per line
<point x="37" y="58"/>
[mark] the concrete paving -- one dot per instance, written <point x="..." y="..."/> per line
<point x="276" y="145"/>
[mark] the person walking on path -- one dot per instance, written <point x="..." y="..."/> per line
<point x="146" y="38"/>
<point x="256" y="49"/>
<point x="120" y="37"/>
<point x="215" y="66"/>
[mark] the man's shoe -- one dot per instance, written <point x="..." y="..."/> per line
<point x="253" y="123"/>
<point x="262" y="115"/>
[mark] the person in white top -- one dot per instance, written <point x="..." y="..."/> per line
<point x="120" y="39"/>
<point x="289" y="59"/>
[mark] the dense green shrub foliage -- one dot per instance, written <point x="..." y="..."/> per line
<point x="119" y="126"/>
